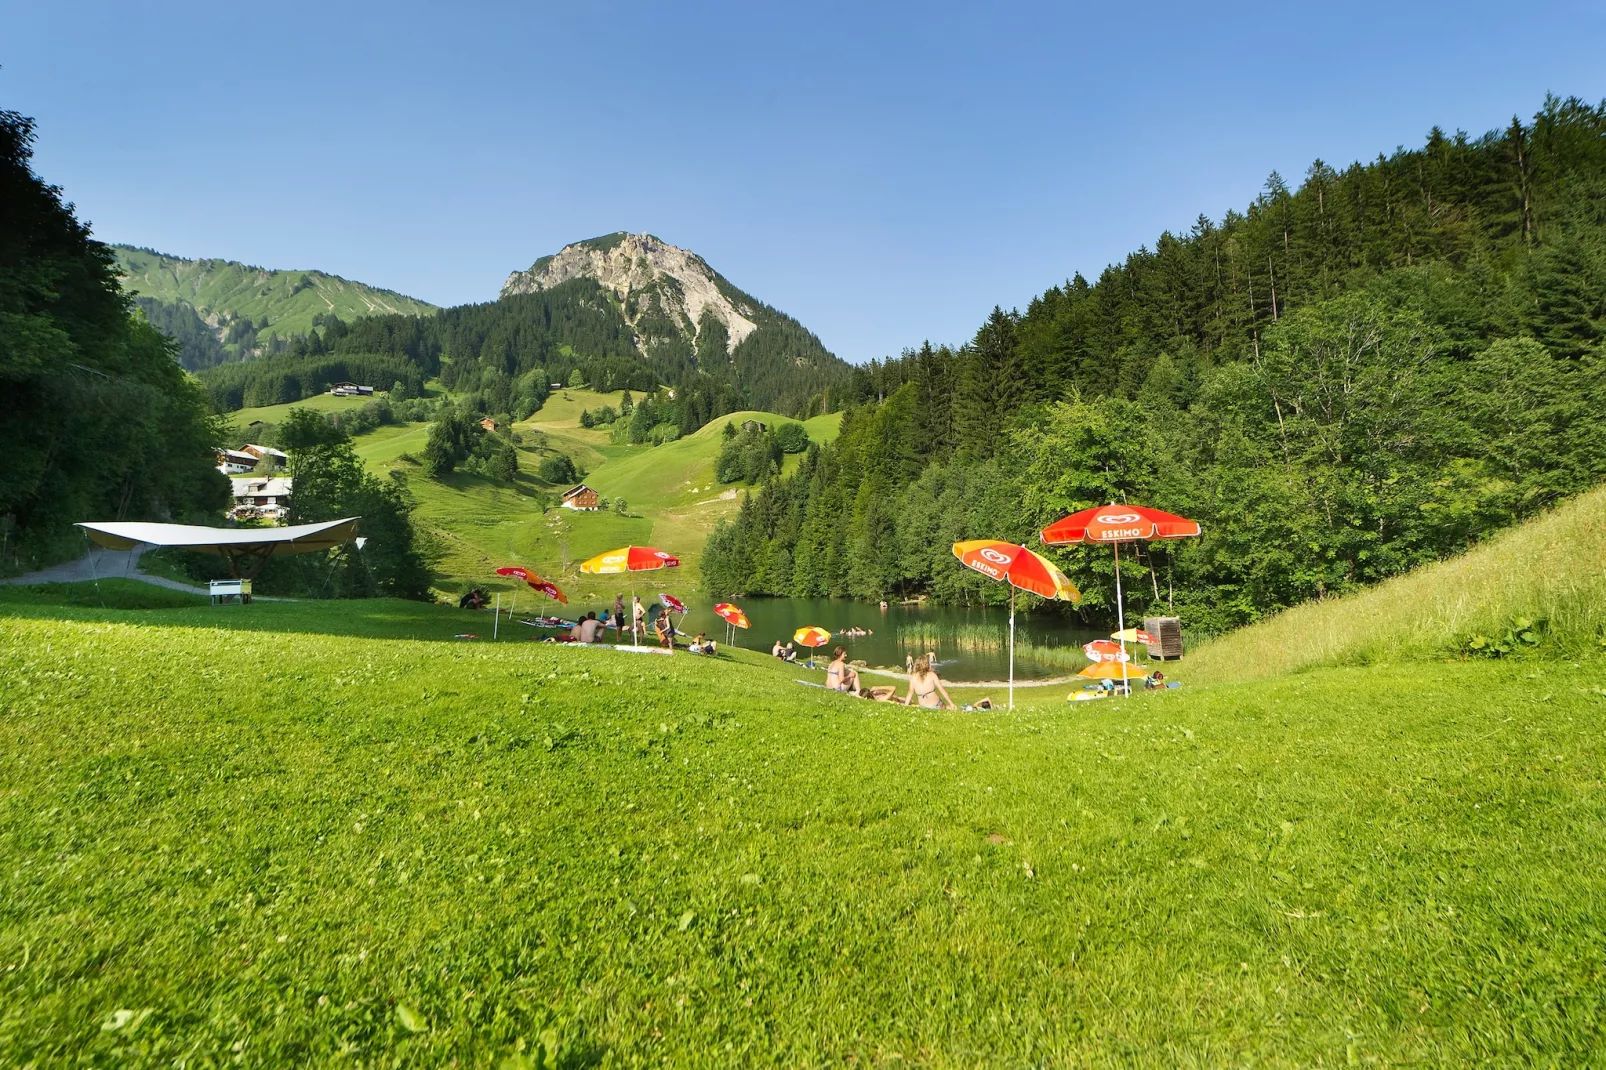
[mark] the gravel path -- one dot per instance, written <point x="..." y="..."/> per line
<point x="101" y="563"/>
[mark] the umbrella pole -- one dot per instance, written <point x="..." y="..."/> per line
<point x="496" y="615"/>
<point x="1120" y="624"/>
<point x="1012" y="647"/>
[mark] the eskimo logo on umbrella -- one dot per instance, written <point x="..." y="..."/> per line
<point x="994" y="556"/>
<point x="1118" y="518"/>
<point x="661" y="555"/>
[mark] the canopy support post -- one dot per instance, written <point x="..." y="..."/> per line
<point x="496" y="616"/>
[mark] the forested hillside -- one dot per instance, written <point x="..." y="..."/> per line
<point x="1340" y="381"/>
<point x="97" y="419"/>
<point x="219" y="310"/>
<point x="510" y="351"/>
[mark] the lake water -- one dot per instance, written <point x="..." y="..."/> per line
<point x="971" y="644"/>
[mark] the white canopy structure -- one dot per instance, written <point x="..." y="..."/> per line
<point x="232" y="543"/>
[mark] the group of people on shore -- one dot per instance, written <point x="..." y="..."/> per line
<point x="925" y="686"/>
<point x="644" y="620"/>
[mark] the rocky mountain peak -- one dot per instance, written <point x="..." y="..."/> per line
<point x="653" y="281"/>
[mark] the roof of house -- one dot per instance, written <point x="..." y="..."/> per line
<point x="582" y="488"/>
<point x="276" y="485"/>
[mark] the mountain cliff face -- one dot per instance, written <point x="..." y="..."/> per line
<point x="659" y="287"/>
<point x="685" y="318"/>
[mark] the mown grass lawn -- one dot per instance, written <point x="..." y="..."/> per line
<point x="289" y="834"/>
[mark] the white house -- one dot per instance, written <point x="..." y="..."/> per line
<point x="256" y="498"/>
<point x="351" y="390"/>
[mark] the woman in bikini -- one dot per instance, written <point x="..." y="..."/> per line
<point x="839" y="675"/>
<point x="925" y="688"/>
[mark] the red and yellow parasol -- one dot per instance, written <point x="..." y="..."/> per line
<point x="811" y="636"/>
<point x="629" y="559"/>
<point x="732" y="615"/>
<point x="1019" y="567"/>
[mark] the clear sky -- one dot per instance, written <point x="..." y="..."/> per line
<point x="884" y="172"/>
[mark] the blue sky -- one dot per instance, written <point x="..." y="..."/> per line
<point x="885" y="173"/>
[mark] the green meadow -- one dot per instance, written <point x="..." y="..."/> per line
<point x="306" y="833"/>
<point x="673" y="500"/>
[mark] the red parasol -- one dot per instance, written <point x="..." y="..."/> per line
<point x="671" y="602"/>
<point x="1114" y="524"/>
<point x="1104" y="650"/>
<point x="546" y="587"/>
<point x="1119" y="523"/>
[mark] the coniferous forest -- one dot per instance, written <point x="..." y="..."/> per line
<point x="1342" y="381"/>
<point x="97" y="418"/>
<point x="510" y="351"/>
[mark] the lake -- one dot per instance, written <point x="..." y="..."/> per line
<point x="971" y="644"/>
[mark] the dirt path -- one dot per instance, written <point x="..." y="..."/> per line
<point x="102" y="564"/>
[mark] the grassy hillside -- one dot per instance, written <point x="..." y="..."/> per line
<point x="673" y="498"/>
<point x="482" y="851"/>
<point x="672" y="495"/>
<point x="241" y="419"/>
<point x="221" y="290"/>
<point x="1550" y="571"/>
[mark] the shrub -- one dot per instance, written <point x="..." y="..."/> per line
<point x="557" y="468"/>
<point x="791" y="438"/>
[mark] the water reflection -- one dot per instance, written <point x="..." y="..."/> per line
<point x="970" y="644"/>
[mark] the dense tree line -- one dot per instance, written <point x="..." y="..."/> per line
<point x="1341" y="382"/>
<point x="510" y="351"/>
<point x="289" y="378"/>
<point x="198" y="345"/>
<point x="97" y="418"/>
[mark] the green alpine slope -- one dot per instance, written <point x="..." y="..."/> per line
<point x="244" y="305"/>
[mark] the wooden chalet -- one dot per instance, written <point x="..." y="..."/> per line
<point x="582" y="499"/>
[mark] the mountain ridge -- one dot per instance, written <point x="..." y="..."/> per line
<point x="245" y="308"/>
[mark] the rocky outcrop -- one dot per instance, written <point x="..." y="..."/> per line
<point x="651" y="279"/>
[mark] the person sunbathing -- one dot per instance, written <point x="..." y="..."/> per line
<point x="702" y="645"/>
<point x="925" y="687"/>
<point x="590" y="629"/>
<point x="839" y="675"/>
